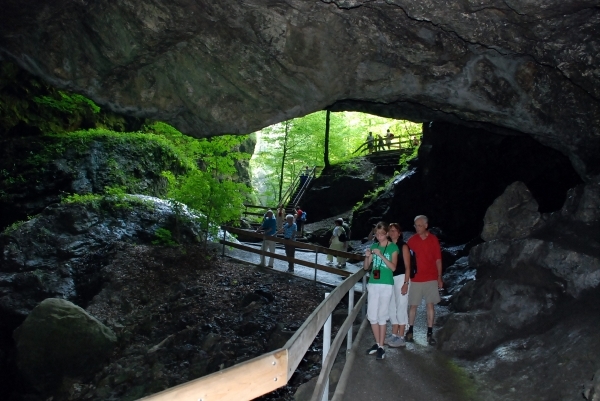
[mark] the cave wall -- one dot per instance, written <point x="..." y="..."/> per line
<point x="234" y="67"/>
<point x="458" y="174"/>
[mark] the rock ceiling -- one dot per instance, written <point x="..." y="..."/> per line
<point x="212" y="67"/>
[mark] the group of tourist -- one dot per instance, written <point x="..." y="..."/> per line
<point x="377" y="143"/>
<point x="280" y="223"/>
<point x="392" y="294"/>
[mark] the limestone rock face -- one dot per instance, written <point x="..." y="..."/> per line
<point x="514" y="214"/>
<point x="52" y="255"/>
<point x="59" y="339"/>
<point x="233" y="67"/>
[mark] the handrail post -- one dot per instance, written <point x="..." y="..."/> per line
<point x="224" y="239"/>
<point x="350" y="307"/>
<point x="316" y="263"/>
<point x="326" y="345"/>
<point x="364" y="291"/>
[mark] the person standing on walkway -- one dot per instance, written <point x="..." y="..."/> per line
<point x="348" y="232"/>
<point x="300" y="219"/>
<point x="370" y="140"/>
<point x="428" y="279"/>
<point x="399" y="301"/>
<point x="388" y="139"/>
<point x="269" y="227"/>
<point x="383" y="256"/>
<point x="336" y="243"/>
<point x="280" y="216"/>
<point x="380" y="146"/>
<point x="289" y="233"/>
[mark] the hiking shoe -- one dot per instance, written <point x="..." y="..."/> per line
<point x="290" y="270"/>
<point x="373" y="349"/>
<point x="397" y="342"/>
<point x="431" y="340"/>
<point x="409" y="337"/>
<point x="380" y="353"/>
<point x="329" y="263"/>
<point x="388" y="339"/>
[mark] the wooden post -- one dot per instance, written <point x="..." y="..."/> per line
<point x="316" y="263"/>
<point x="224" y="239"/>
<point x="326" y="345"/>
<point x="350" y="307"/>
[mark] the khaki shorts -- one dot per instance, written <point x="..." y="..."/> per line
<point x="427" y="290"/>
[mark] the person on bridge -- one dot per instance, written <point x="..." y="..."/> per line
<point x="380" y="145"/>
<point x="399" y="301"/>
<point x="289" y="232"/>
<point x="300" y="219"/>
<point x="280" y="216"/>
<point x="269" y="227"/>
<point x="428" y="279"/>
<point x="370" y="141"/>
<point x="388" y="139"/>
<point x="383" y="256"/>
<point x="336" y="243"/>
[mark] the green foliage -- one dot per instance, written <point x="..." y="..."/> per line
<point x="164" y="237"/>
<point x="67" y="103"/>
<point x="13" y="227"/>
<point x="304" y="140"/>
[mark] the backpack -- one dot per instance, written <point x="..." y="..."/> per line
<point x="303" y="216"/>
<point x="413" y="264"/>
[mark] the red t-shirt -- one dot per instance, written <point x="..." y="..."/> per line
<point x="298" y="215"/>
<point x="427" y="251"/>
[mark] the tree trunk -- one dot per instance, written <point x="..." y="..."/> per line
<point x="326" y="150"/>
<point x="285" y="140"/>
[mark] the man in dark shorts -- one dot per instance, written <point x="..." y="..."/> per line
<point x="428" y="279"/>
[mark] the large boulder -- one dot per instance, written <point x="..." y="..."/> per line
<point x="514" y="214"/>
<point x="60" y="340"/>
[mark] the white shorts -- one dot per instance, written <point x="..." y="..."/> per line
<point x="399" y="302"/>
<point x="378" y="300"/>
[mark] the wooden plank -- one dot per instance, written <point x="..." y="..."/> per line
<point x="301" y="262"/>
<point x="242" y="382"/>
<point x="305" y="335"/>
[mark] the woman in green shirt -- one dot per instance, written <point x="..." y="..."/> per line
<point x="383" y="255"/>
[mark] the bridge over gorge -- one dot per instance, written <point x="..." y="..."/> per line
<point x="417" y="372"/>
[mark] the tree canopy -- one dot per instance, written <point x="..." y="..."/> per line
<point x="300" y="142"/>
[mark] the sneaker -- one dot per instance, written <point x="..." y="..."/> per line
<point x="380" y="353"/>
<point x="388" y="339"/>
<point x="409" y="337"/>
<point x="329" y="263"/>
<point x="397" y="342"/>
<point x="373" y="349"/>
<point x="290" y="270"/>
<point x="343" y="265"/>
<point x="431" y="340"/>
<point x="339" y="266"/>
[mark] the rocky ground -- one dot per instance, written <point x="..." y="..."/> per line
<point x="181" y="313"/>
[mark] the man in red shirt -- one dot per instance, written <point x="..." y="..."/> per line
<point x="428" y="278"/>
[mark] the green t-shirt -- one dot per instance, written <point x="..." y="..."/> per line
<point x="386" y="275"/>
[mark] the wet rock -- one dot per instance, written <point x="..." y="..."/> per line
<point x="576" y="271"/>
<point x="513" y="215"/>
<point x="511" y="308"/>
<point x="591" y="391"/>
<point x="62" y="252"/>
<point x="279" y="337"/>
<point x="59" y="339"/>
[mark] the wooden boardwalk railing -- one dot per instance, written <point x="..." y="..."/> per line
<point x="316" y="248"/>
<point x="263" y="374"/>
